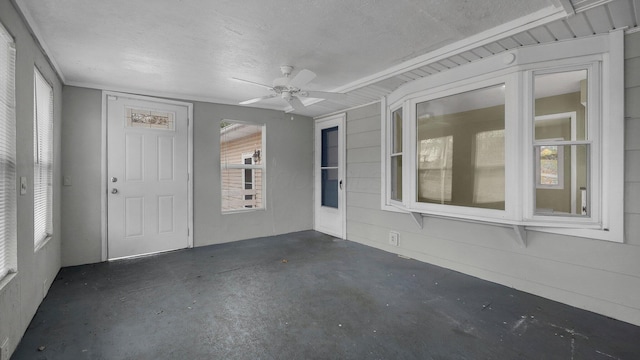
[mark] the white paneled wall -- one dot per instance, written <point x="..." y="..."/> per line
<point x="632" y="139"/>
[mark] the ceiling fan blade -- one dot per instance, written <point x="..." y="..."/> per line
<point x="252" y="83"/>
<point x="251" y="101"/>
<point x="324" y="95"/>
<point x="295" y="103"/>
<point x="302" y="78"/>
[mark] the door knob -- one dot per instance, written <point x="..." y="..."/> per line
<point x="114" y="191"/>
<point x="114" y="179"/>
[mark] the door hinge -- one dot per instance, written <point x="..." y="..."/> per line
<point x="188" y="121"/>
<point x="188" y="231"/>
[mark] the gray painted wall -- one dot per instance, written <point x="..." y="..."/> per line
<point x="289" y="156"/>
<point x="22" y="295"/>
<point x="600" y="276"/>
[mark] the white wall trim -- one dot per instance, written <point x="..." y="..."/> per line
<point x="37" y="34"/>
<point x="104" y="173"/>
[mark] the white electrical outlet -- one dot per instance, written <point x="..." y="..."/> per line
<point x="4" y="350"/>
<point x="394" y="238"/>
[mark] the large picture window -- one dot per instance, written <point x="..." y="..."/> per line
<point x="8" y="210"/>
<point x="242" y="151"/>
<point x="535" y="142"/>
<point x="461" y="149"/>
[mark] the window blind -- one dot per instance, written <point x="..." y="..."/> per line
<point x="8" y="212"/>
<point x="43" y="158"/>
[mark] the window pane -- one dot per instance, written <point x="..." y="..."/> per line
<point x="8" y="209"/>
<point x="237" y="194"/>
<point x="42" y="159"/>
<point x="397" y="131"/>
<point x="238" y="140"/>
<point x="396" y="177"/>
<point x="330" y="188"/>
<point x="561" y="93"/>
<point x="461" y="149"/>
<point x="562" y="173"/>
<point x="241" y="148"/>
<point x="330" y="147"/>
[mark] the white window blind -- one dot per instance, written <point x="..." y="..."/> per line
<point x="8" y="211"/>
<point x="43" y="159"/>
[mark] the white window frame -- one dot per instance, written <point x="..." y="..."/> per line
<point x="8" y="218"/>
<point x="389" y="150"/>
<point x="262" y="166"/>
<point x="42" y="157"/>
<point x="602" y="56"/>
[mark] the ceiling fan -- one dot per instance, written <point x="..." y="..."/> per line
<point x="290" y="88"/>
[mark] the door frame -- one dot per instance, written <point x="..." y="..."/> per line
<point x="341" y="120"/>
<point x="104" y="154"/>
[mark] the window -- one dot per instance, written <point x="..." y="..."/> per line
<point x="8" y="221"/>
<point x="560" y="132"/>
<point x="242" y="150"/>
<point x="42" y="159"/>
<point x="451" y="170"/>
<point x="396" y="155"/>
<point x="534" y="142"/>
<point x="329" y="167"/>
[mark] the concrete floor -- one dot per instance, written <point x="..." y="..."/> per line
<point x="330" y="299"/>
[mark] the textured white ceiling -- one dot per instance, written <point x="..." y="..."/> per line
<point x="191" y="49"/>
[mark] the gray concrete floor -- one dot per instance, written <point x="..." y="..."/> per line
<point x="330" y="299"/>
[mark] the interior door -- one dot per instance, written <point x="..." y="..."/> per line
<point x="147" y="185"/>
<point x="330" y="200"/>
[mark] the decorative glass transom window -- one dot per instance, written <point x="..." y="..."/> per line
<point x="242" y="165"/>
<point x="532" y="139"/>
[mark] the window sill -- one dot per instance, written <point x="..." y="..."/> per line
<point x="583" y="230"/>
<point x="4" y="282"/>
<point x="241" y="211"/>
<point x="42" y="243"/>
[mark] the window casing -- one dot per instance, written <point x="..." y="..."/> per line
<point x="8" y="220"/>
<point x="466" y="182"/>
<point x="42" y="160"/>
<point x="242" y="166"/>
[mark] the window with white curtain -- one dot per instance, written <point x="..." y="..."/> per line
<point x="8" y="211"/>
<point x="42" y="159"/>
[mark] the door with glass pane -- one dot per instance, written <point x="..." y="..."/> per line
<point x="147" y="184"/>
<point x="330" y="214"/>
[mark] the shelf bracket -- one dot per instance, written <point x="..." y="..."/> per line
<point x="521" y="235"/>
<point x="417" y="217"/>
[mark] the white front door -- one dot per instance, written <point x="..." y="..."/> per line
<point x="147" y="169"/>
<point x="330" y="186"/>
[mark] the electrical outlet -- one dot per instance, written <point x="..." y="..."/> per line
<point x="4" y="350"/>
<point x="394" y="238"/>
